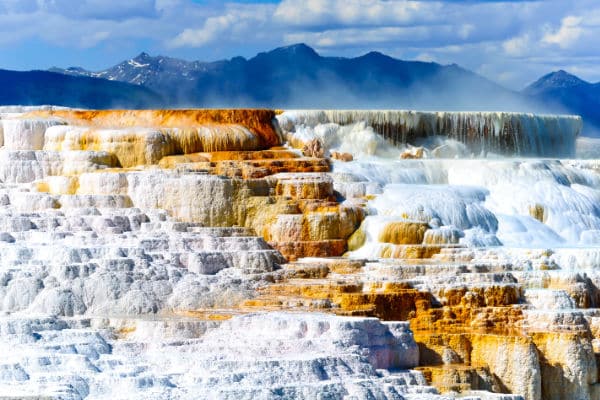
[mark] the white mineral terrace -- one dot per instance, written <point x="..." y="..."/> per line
<point x="520" y="134"/>
<point x="149" y="262"/>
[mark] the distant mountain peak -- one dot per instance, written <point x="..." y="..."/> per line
<point x="143" y="59"/>
<point x="375" y="55"/>
<point x="564" y="78"/>
<point x="555" y="80"/>
<point x="142" y="56"/>
<point x="298" y="49"/>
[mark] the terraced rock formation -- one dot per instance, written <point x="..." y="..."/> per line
<point x="198" y="254"/>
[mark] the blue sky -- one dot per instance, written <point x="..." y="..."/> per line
<point x="511" y="42"/>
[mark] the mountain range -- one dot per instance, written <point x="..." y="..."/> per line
<point x="43" y="87"/>
<point x="297" y="77"/>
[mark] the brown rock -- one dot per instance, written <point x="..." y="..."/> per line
<point x="346" y="157"/>
<point x="314" y="148"/>
<point x="413" y="153"/>
<point x="322" y="248"/>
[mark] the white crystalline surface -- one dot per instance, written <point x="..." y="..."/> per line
<point x="90" y="300"/>
<point x="98" y="288"/>
<point x="275" y="355"/>
<point x="94" y="292"/>
<point x="490" y="203"/>
<point x="493" y="218"/>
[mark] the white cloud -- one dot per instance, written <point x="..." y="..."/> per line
<point x="355" y="12"/>
<point x="465" y="30"/>
<point x="213" y="28"/>
<point x="239" y="22"/>
<point x="89" y="23"/>
<point x="426" y="57"/>
<point x="93" y="39"/>
<point x="568" y="33"/>
<point x="102" y="9"/>
<point x="18" y="6"/>
<point x="354" y="37"/>
<point x="518" y="46"/>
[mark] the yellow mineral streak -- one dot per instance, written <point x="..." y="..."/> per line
<point x="262" y="155"/>
<point x="560" y="352"/>
<point x="143" y="146"/>
<point x="536" y="365"/>
<point x="357" y="240"/>
<point x="538" y="212"/>
<point x="258" y="121"/>
<point x="246" y="164"/>
<point x="344" y="266"/>
<point x="58" y="185"/>
<point x="414" y="251"/>
<point x="125" y="331"/>
<point x="351" y="216"/>
<point x="209" y="315"/>
<point x="437" y="237"/>
<point x="131" y="147"/>
<point x="317" y="248"/>
<point x="213" y="137"/>
<point x="295" y="234"/>
<point x="482" y="296"/>
<point x="461" y="378"/>
<point x="305" y="188"/>
<point x="512" y="359"/>
<point x="172" y="162"/>
<point x="403" y="233"/>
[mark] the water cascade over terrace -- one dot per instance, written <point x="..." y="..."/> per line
<point x="504" y="133"/>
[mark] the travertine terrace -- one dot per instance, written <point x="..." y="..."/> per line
<point x="299" y="254"/>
